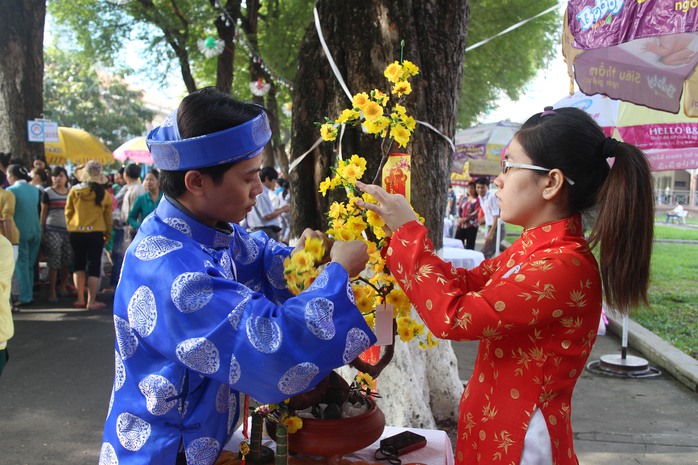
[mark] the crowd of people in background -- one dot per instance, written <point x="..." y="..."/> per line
<point x="476" y="207"/>
<point x="80" y="225"/>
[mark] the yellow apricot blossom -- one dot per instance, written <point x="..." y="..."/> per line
<point x="328" y="132"/>
<point x="401" y="135"/>
<point x="293" y="424"/>
<point x="393" y="72"/>
<point x="402" y="88"/>
<point x="348" y="115"/>
<point x="360" y="100"/>
<point x="372" y="111"/>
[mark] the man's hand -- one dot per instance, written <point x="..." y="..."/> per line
<point x="309" y="233"/>
<point x="352" y="255"/>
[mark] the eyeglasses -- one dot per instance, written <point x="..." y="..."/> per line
<point x="506" y="165"/>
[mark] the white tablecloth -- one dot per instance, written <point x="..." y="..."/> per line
<point x="462" y="258"/>
<point x="438" y="450"/>
<point x="453" y="243"/>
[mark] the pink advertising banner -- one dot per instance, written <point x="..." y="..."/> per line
<point x="669" y="160"/>
<point x="604" y="23"/>
<point x="640" y="51"/>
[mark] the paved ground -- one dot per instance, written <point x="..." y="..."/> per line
<point x="55" y="391"/>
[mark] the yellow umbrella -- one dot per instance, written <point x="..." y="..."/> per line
<point x="78" y="146"/>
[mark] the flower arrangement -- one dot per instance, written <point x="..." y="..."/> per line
<point x="375" y="287"/>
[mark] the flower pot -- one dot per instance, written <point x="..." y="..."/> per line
<point x="333" y="438"/>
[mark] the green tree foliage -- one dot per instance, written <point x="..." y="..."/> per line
<point x="76" y="95"/>
<point x="507" y="63"/>
<point x="499" y="68"/>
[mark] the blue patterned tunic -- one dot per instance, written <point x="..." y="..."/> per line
<point x="202" y="314"/>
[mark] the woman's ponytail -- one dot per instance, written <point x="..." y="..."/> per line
<point x="624" y="227"/>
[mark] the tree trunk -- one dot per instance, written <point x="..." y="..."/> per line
<point x="363" y="37"/>
<point x="21" y="74"/>
<point x="226" y="33"/>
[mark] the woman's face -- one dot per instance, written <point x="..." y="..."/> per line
<point x="59" y="180"/>
<point x="471" y="190"/>
<point x="520" y="191"/>
<point x="150" y="182"/>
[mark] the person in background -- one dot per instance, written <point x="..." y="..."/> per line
<point x="676" y="213"/>
<point x="88" y="219"/>
<point x="39" y="177"/>
<point x="7" y="268"/>
<point x="4" y="163"/>
<point x="131" y="191"/>
<point x="283" y="198"/>
<point x="536" y="307"/>
<point x="59" y="253"/>
<point x="202" y="312"/>
<point x="468" y="221"/>
<point x="118" y="180"/>
<point x="488" y="204"/>
<point x="8" y="228"/>
<point x="146" y="203"/>
<point x="27" y="220"/>
<point x="264" y="216"/>
<point x="39" y="165"/>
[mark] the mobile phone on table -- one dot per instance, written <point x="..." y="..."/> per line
<point x="403" y="443"/>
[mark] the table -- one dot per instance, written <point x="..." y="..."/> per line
<point x="438" y="450"/>
<point x="461" y="258"/>
<point x="453" y="243"/>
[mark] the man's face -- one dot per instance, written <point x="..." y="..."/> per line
<point x="481" y="189"/>
<point x="235" y="196"/>
<point x="270" y="183"/>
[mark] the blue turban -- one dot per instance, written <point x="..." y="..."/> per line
<point x="172" y="153"/>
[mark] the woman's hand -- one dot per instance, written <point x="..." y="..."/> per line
<point x="308" y="234"/>
<point x="352" y="255"/>
<point x="392" y="208"/>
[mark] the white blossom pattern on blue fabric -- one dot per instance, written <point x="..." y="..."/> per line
<point x="246" y="250"/>
<point x="132" y="431"/>
<point x="298" y="378"/>
<point x="320" y="282"/>
<point x="222" y="398"/>
<point x="125" y="339"/>
<point x="235" y="371"/>
<point x="235" y="316"/>
<point x="191" y="291"/>
<point x="199" y="354"/>
<point x="202" y="451"/>
<point x="142" y="312"/>
<point x="157" y="389"/>
<point x="227" y="265"/>
<point x="119" y="371"/>
<point x="350" y="293"/>
<point x="169" y="157"/>
<point x="153" y="247"/>
<point x="318" y="318"/>
<point x="275" y="273"/>
<point x="107" y="455"/>
<point x="357" y="341"/>
<point x="179" y="224"/>
<point x="264" y="334"/>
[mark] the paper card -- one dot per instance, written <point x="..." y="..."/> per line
<point x="397" y="173"/>
<point x="384" y="325"/>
